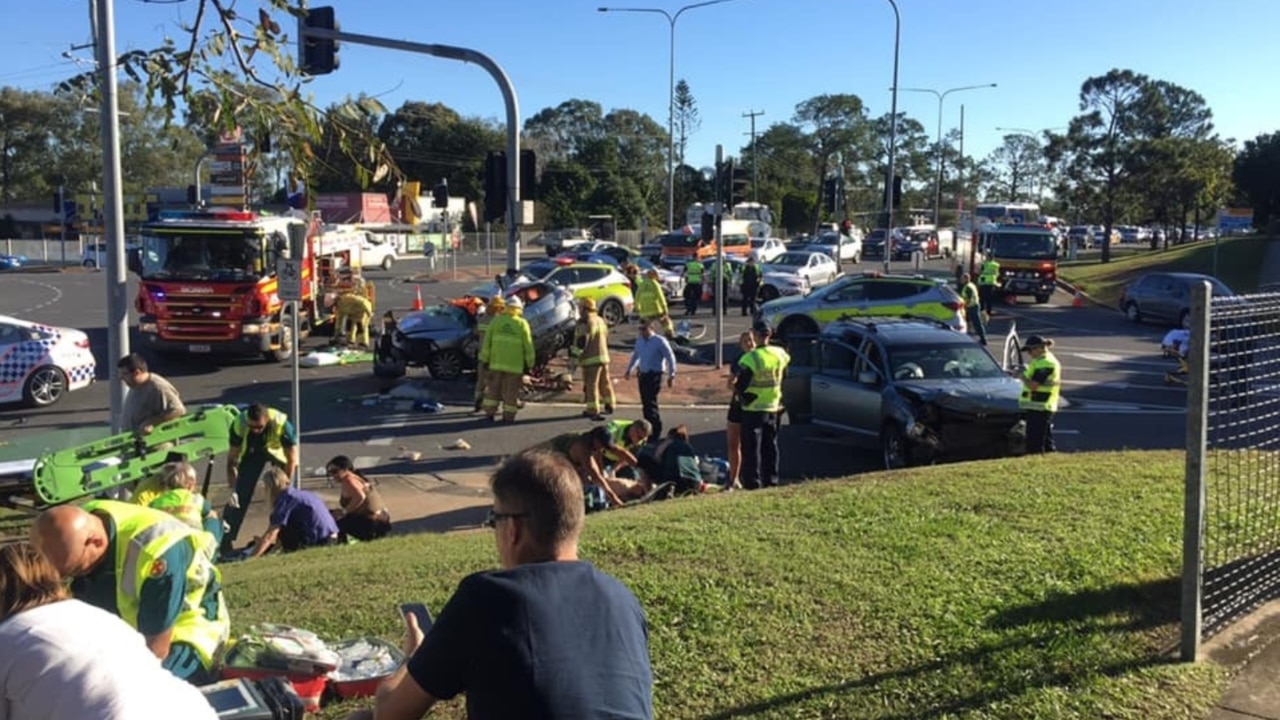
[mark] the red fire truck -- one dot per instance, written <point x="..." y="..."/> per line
<point x="208" y="282"/>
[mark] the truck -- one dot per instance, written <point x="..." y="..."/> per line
<point x="208" y="281"/>
<point x="1028" y="257"/>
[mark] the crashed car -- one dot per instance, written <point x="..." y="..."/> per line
<point x="911" y="389"/>
<point x="443" y="338"/>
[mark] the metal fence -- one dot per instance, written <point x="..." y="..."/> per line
<point x="1231" y="550"/>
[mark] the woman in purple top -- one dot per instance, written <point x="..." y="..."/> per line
<point x="299" y="519"/>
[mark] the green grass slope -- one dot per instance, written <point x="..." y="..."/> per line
<point x="1239" y="260"/>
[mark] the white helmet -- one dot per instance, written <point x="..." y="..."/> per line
<point x="515" y="302"/>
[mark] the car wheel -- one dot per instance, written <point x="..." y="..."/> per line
<point x="1131" y="312"/>
<point x="89" y="264"/>
<point x="797" y="325"/>
<point x="285" y="350"/>
<point x="45" y="386"/>
<point x="387" y="262"/>
<point x="445" y="365"/>
<point x="768" y="292"/>
<point x="612" y="312"/>
<point x="893" y="448"/>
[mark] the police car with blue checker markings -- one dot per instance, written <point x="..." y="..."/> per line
<point x="40" y="363"/>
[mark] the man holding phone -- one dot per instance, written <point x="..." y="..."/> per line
<point x="548" y="636"/>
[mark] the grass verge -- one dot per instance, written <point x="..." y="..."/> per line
<point x="1239" y="261"/>
<point x="1028" y="588"/>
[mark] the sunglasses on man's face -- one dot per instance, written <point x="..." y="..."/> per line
<point x="258" y="428"/>
<point x="496" y="517"/>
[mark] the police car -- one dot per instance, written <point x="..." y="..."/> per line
<point x="40" y="363"/>
<point x="866" y="294"/>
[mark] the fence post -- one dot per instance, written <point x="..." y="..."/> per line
<point x="1194" y="482"/>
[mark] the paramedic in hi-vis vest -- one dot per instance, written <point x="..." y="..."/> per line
<point x="988" y="282"/>
<point x="147" y="567"/>
<point x="1041" y="386"/>
<point x="260" y="436"/>
<point x="759" y="385"/>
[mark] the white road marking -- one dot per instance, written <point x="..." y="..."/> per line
<point x="365" y="462"/>
<point x="57" y="295"/>
<point x="379" y="441"/>
<point x="1065" y="431"/>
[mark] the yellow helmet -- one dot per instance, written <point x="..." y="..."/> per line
<point x="496" y="304"/>
<point x="588" y="304"/>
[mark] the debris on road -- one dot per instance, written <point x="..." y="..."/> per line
<point x="458" y="444"/>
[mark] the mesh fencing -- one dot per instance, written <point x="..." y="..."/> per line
<point x="1240" y="556"/>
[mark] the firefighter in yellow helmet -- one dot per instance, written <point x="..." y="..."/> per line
<point x="492" y="310"/>
<point x="651" y="303"/>
<point x="508" y="353"/>
<point x="591" y="349"/>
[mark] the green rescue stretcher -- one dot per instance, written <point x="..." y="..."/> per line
<point x="66" y="475"/>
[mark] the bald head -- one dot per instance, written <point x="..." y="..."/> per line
<point x="72" y="540"/>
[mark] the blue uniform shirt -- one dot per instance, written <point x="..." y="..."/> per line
<point x="304" y="513"/>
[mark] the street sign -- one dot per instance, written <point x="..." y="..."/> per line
<point x="1235" y="219"/>
<point x="289" y="279"/>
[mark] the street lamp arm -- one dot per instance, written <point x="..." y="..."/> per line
<point x="931" y="91"/>
<point x="696" y="5"/>
<point x="967" y="87"/>
<point x="655" y="11"/>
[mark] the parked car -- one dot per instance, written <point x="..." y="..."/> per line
<point x="561" y="241"/>
<point x="874" y="244"/>
<point x="766" y="249"/>
<point x="924" y="242"/>
<point x="95" y="255"/>
<point x="41" y="363"/>
<point x="838" y="247"/>
<point x="601" y="282"/>
<point x="378" y="250"/>
<point x="773" y="285"/>
<point x="912" y="389"/>
<point x="816" y="268"/>
<point x="1081" y="236"/>
<point x="868" y="294"/>
<point x="1165" y="296"/>
<point x="12" y="262"/>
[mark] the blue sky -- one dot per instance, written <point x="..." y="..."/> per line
<point x="750" y="55"/>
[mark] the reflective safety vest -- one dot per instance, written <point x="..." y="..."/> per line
<point x="693" y="272"/>
<point x="273" y="439"/>
<point x="1047" y="371"/>
<point x="618" y="433"/>
<point x="767" y="365"/>
<point x="591" y="341"/>
<point x="650" y="301"/>
<point x="990" y="274"/>
<point x="969" y="293"/>
<point x="142" y="537"/>
<point x="508" y="345"/>
<point x="183" y="504"/>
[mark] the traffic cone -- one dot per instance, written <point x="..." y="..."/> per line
<point x="1077" y="300"/>
<point x="417" y="300"/>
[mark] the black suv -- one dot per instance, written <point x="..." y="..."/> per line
<point x="914" y="389"/>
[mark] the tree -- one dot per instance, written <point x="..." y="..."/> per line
<point x="431" y="141"/>
<point x="25" y="119"/>
<point x="1018" y="164"/>
<point x="1256" y="173"/>
<point x="837" y="124"/>
<point x="1099" y="140"/>
<point x="784" y="173"/>
<point x="913" y="162"/>
<point x="686" y="117"/>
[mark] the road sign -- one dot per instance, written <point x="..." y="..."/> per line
<point x="289" y="279"/>
<point x="1235" y="219"/>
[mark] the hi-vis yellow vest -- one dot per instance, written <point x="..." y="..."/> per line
<point x="1046" y="398"/>
<point x="142" y="537"/>
<point x="274" y="440"/>
<point x="767" y="365"/>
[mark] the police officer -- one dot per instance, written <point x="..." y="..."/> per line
<point x="1041" y="386"/>
<point x="152" y="570"/>
<point x="750" y="286"/>
<point x="260" y="436"/>
<point x="492" y="310"/>
<point x="988" y="281"/>
<point x="972" y="307"/>
<point x="759" y="386"/>
<point x="693" y="272"/>
<point x="508" y="350"/>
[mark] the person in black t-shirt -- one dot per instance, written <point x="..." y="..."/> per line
<point x="548" y="636"/>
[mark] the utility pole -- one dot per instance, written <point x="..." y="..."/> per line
<point x="113" y="207"/>
<point x="755" y="161"/>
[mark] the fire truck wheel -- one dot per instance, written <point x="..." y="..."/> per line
<point x="284" y="350"/>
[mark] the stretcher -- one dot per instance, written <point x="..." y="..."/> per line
<point x="62" y="476"/>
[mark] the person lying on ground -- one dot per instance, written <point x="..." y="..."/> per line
<point x="299" y="518"/>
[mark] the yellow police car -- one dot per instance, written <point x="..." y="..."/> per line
<point x="866" y="294"/>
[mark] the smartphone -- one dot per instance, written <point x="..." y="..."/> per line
<point x="419" y="611"/>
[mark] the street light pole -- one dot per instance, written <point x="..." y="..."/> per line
<point x="937" y="192"/>
<point x="893" y="136"/>
<point x="671" y="93"/>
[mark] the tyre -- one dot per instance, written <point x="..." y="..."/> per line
<point x="285" y="350"/>
<point x="612" y="312"/>
<point x="894" y="451"/>
<point x="1042" y="299"/>
<point x="445" y="365"/>
<point x="1131" y="312"/>
<point x="45" y="386"/>
<point x="797" y="325"/>
<point x="769" y="292"/>
<point x="387" y="262"/>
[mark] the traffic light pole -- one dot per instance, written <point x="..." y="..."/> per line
<point x="508" y="96"/>
<point x="721" y="279"/>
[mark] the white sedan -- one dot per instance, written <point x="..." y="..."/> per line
<point x="39" y="363"/>
<point x="764" y="250"/>
<point x="816" y="268"/>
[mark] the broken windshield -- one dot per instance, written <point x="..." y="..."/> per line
<point x="218" y="256"/>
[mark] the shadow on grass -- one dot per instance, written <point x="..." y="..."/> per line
<point x="468" y="518"/>
<point x="1120" y="610"/>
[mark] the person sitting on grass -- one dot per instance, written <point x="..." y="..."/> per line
<point x="299" y="518"/>
<point x="586" y="452"/>
<point x="361" y="513"/>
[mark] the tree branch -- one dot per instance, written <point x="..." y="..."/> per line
<point x="191" y="48"/>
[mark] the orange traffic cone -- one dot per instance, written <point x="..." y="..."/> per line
<point x="417" y="300"/>
<point x="1077" y="300"/>
<point x="706" y="294"/>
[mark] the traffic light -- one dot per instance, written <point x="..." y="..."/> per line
<point x="830" y="194"/>
<point x="738" y="193"/>
<point x="58" y="207"/>
<point x="495" y="185"/>
<point x="707" y="229"/>
<point x="440" y="195"/>
<point x="897" y="190"/>
<point x="528" y="175"/>
<point x="724" y="181"/>
<point x="317" y="56"/>
<point x="193" y="195"/>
